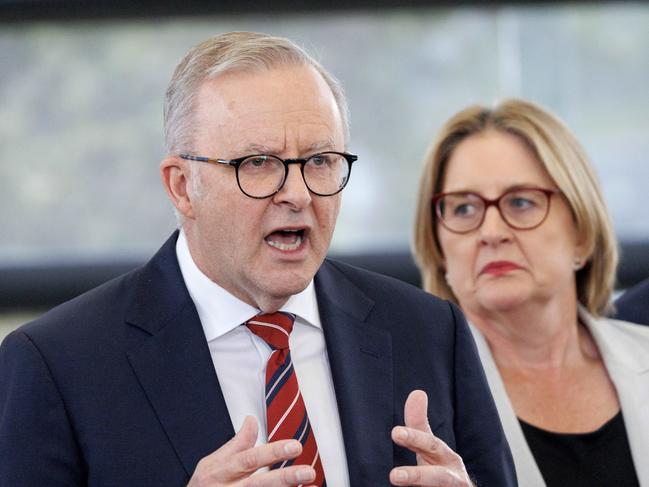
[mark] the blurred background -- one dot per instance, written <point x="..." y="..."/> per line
<point x="82" y="83"/>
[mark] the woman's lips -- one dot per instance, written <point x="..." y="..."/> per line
<point x="499" y="267"/>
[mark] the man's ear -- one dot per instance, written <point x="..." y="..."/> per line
<point x="175" y="174"/>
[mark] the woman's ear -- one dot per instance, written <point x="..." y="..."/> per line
<point x="583" y="251"/>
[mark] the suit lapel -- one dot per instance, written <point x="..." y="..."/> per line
<point x="361" y="366"/>
<point x="172" y="361"/>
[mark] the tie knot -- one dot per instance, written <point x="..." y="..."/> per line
<point x="273" y="328"/>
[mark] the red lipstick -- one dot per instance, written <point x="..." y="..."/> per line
<point x="499" y="267"/>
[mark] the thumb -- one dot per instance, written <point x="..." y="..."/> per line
<point x="416" y="411"/>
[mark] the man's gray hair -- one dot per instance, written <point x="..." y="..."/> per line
<point x="234" y="51"/>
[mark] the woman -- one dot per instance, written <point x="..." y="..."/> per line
<point x="511" y="225"/>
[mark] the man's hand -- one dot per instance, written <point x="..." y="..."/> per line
<point x="235" y="463"/>
<point x="437" y="464"/>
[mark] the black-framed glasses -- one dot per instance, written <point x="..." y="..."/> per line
<point x="262" y="175"/>
<point x="520" y="208"/>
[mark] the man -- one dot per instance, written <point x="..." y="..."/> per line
<point x="145" y="380"/>
<point x="633" y="305"/>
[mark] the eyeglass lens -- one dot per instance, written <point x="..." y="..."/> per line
<point x="522" y="209"/>
<point x="324" y="174"/>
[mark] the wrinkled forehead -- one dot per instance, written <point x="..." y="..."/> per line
<point x="280" y="109"/>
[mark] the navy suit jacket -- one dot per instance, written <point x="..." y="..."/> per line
<point x="117" y="387"/>
<point x="633" y="305"/>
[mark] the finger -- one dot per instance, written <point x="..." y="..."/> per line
<point x="249" y="461"/>
<point x="289" y="476"/>
<point x="245" y="438"/>
<point x="425" y="444"/>
<point x="211" y="466"/>
<point x="415" y="411"/>
<point x="430" y="476"/>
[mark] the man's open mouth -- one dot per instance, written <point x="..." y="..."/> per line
<point x="286" y="239"/>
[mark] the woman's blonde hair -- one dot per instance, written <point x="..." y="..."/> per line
<point x="565" y="161"/>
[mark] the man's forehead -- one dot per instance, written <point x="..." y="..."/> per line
<point x="269" y="112"/>
<point x="298" y="93"/>
<point x="237" y="85"/>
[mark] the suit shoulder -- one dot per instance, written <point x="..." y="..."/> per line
<point x="638" y="292"/>
<point x="633" y="305"/>
<point x="85" y="314"/>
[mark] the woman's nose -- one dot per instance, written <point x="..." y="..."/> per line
<point x="494" y="228"/>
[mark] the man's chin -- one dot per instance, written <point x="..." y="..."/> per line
<point x="281" y="281"/>
<point x="280" y="285"/>
<point x="287" y="290"/>
<point x="272" y="298"/>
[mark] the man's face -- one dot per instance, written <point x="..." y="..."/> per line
<point x="262" y="250"/>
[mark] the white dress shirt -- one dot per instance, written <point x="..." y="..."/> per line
<point x="240" y="357"/>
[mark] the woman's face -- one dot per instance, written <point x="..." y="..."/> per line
<point x="496" y="268"/>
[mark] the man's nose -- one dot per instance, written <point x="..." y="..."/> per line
<point x="295" y="192"/>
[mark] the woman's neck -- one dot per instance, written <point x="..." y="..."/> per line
<point x="550" y="366"/>
<point x="534" y="336"/>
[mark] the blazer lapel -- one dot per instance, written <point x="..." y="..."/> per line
<point x="361" y="366"/>
<point x="172" y="361"/>
<point x="624" y="350"/>
<point x="527" y="470"/>
<point x="633" y="391"/>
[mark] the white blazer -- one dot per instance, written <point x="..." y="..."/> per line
<point x="625" y="350"/>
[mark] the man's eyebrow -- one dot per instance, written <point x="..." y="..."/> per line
<point x="321" y="145"/>
<point x="254" y="148"/>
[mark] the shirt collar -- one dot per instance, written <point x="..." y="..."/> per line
<point x="220" y="312"/>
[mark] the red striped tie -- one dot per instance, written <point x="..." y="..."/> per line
<point x="286" y="416"/>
